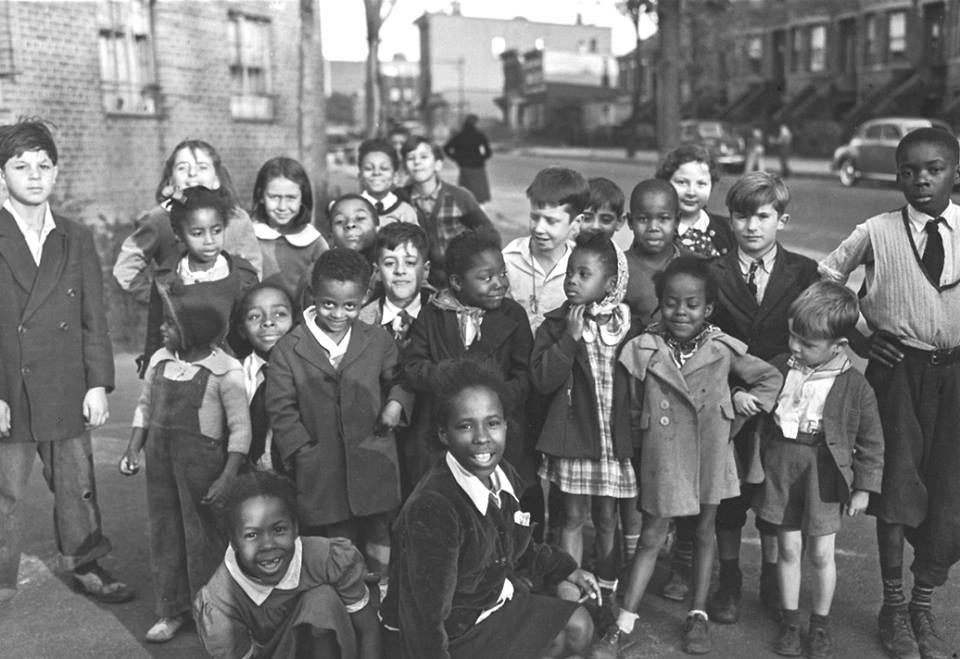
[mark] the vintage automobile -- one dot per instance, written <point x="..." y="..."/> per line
<point x="727" y="147"/>
<point x="871" y="152"/>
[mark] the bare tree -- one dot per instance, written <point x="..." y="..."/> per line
<point x="311" y="109"/>
<point x="377" y="13"/>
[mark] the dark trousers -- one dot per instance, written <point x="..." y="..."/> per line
<point x="68" y="471"/>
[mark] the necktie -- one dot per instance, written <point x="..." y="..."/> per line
<point x="400" y="325"/>
<point x="259" y="423"/>
<point x="379" y="207"/>
<point x="752" y="276"/>
<point x="933" y="253"/>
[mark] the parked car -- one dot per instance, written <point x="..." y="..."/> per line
<point x="871" y="152"/>
<point x="727" y="147"/>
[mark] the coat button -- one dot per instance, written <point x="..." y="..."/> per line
<point x="664" y="404"/>
<point x="64" y="326"/>
<point x="71" y="292"/>
<point x="664" y="421"/>
<point x="25" y="370"/>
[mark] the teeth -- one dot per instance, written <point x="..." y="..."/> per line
<point x="483" y="457"/>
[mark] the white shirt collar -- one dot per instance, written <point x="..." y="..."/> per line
<point x="388" y="200"/>
<point x="766" y="261"/>
<point x="521" y="246"/>
<point x="220" y="270"/>
<point x="34" y="241"/>
<point x="477" y="491"/>
<point x="918" y="219"/>
<point x="306" y="236"/>
<point x="702" y="224"/>
<point x="334" y="349"/>
<point x="391" y="311"/>
<point x="252" y="373"/>
<point x="257" y="591"/>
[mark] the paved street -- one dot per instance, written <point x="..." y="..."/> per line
<point x="47" y="620"/>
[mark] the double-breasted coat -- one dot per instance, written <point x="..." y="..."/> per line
<point x="684" y="418"/>
<point x="326" y="419"/>
<point x="54" y="343"/>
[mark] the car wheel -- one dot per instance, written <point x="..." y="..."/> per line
<point x="848" y="173"/>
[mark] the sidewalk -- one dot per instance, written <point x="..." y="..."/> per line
<point x="807" y="167"/>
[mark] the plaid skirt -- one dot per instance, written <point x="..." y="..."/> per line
<point x="606" y="477"/>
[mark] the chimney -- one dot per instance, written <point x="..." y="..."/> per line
<point x="455" y="8"/>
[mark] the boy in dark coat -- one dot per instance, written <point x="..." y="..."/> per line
<point x="333" y="400"/>
<point x="757" y="283"/>
<point x="56" y="365"/>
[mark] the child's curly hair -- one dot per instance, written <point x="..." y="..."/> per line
<point x="464" y="248"/>
<point x="692" y="266"/>
<point x="341" y="265"/>
<point x="184" y="203"/>
<point x="250" y="486"/>
<point x="681" y="156"/>
<point x="453" y="376"/>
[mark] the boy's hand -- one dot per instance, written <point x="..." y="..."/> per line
<point x="587" y="583"/>
<point x="95" y="409"/>
<point x="884" y="347"/>
<point x="5" y="420"/>
<point x="746" y="404"/>
<point x="575" y="320"/>
<point x="389" y="417"/>
<point x="130" y="463"/>
<point x="217" y="490"/>
<point x="858" y="502"/>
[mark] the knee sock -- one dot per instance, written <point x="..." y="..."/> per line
<point x="893" y="587"/>
<point x="921" y="597"/>
<point x="819" y="621"/>
<point x="791" y="617"/>
<point x="682" y="556"/>
<point x="768" y="573"/>
<point x="730" y="574"/>
<point x="630" y="547"/>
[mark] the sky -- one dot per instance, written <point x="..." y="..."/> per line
<point x="343" y="25"/>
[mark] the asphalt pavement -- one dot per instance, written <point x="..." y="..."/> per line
<point x="47" y="620"/>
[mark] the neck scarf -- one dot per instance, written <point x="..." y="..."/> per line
<point x="612" y="330"/>
<point x="469" y="319"/>
<point x="681" y="351"/>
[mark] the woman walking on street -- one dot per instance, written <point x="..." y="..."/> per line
<point x="469" y="149"/>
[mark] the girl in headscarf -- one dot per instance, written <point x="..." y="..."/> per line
<point x="586" y="435"/>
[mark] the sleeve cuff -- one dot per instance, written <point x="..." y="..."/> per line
<point x="361" y="603"/>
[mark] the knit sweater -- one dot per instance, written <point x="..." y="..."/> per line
<point x="899" y="298"/>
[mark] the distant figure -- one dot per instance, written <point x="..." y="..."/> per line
<point x="784" y="143"/>
<point x="754" y="162"/>
<point x="469" y="149"/>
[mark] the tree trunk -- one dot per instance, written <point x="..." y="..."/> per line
<point x="668" y="82"/>
<point x="311" y="103"/>
<point x="372" y="88"/>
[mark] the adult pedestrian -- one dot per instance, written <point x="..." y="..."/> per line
<point x="470" y="150"/>
<point x="754" y="162"/>
<point x="784" y="143"/>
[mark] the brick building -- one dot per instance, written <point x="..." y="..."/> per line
<point x="123" y="81"/>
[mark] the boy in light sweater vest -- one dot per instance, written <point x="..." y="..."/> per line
<point x="911" y="302"/>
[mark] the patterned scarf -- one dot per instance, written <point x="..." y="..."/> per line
<point x="612" y="330"/>
<point x="681" y="351"/>
<point x="469" y="319"/>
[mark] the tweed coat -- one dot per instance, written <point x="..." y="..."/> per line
<point x="763" y="326"/>
<point x="54" y="342"/>
<point x="685" y="418"/>
<point x="326" y="419"/>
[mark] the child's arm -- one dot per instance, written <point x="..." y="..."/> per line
<point x="239" y="239"/>
<point x="135" y="255"/>
<point x="517" y="377"/>
<point x="855" y="250"/>
<point x="233" y="399"/>
<point x="551" y="361"/>
<point x="867" y="452"/>
<point x="283" y="410"/>
<point x="474" y="216"/>
<point x="130" y="460"/>
<point x="399" y="398"/>
<point x="419" y="371"/>
<point x="154" y="339"/>
<point x="5" y="419"/>
<point x="763" y="383"/>
<point x="367" y="627"/>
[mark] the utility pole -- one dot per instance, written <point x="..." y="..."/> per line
<point x="668" y="80"/>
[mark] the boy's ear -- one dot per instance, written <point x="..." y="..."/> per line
<point x="708" y="310"/>
<point x="442" y="436"/>
<point x="956" y="175"/>
<point x="426" y="270"/>
<point x="623" y="219"/>
<point x="782" y="220"/>
<point x="456" y="283"/>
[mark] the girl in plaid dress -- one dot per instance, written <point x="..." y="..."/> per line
<point x="586" y="435"/>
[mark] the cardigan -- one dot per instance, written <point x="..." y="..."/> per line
<point x="326" y="422"/>
<point x="450" y="561"/>
<point x="505" y="340"/>
<point x="763" y="326"/>
<point x="54" y="339"/>
<point x="560" y="368"/>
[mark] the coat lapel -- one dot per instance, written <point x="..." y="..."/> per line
<point x="784" y="271"/>
<point x="52" y="262"/>
<point x="310" y="350"/>
<point x="732" y="283"/>
<point x="495" y="329"/>
<point x="359" y="340"/>
<point x="14" y="250"/>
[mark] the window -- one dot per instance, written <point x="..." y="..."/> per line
<point x="870" y="39"/>
<point x="891" y="132"/>
<point x="896" y="35"/>
<point x="249" y="42"/>
<point x="127" y="76"/>
<point x="497" y="46"/>
<point x="874" y="132"/>
<point x="818" y="48"/>
<point x="796" y="48"/>
<point x="755" y="55"/>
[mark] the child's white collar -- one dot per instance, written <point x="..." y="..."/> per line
<point x="257" y="591"/>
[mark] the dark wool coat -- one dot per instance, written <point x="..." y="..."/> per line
<point x="763" y="327"/>
<point x="505" y="341"/>
<point x="223" y="295"/>
<point x="326" y="419"/>
<point x="54" y="343"/>
<point x="450" y="563"/>
<point x="851" y="426"/>
<point x="560" y="369"/>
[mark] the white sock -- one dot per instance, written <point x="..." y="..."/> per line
<point x="626" y="620"/>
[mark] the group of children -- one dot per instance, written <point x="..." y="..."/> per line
<point x="339" y="430"/>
